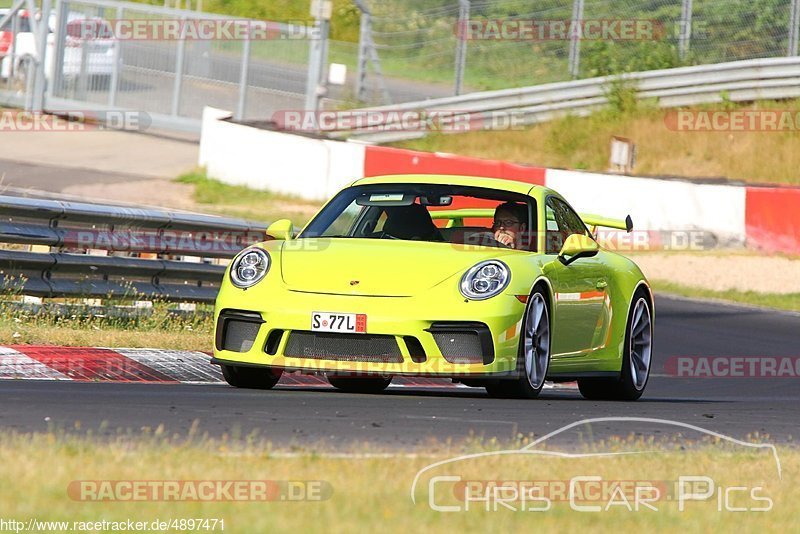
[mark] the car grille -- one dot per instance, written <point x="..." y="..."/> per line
<point x="343" y="347"/>
<point x="459" y="347"/>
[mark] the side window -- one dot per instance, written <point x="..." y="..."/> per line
<point x="562" y="222"/>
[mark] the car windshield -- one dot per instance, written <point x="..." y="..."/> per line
<point x="423" y="212"/>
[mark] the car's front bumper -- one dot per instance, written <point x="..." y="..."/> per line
<point x="400" y="318"/>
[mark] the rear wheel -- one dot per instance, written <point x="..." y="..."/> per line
<point x="251" y="377"/>
<point x="360" y="384"/>
<point x="533" y="360"/>
<point x="636" y="358"/>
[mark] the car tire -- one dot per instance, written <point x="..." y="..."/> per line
<point x="360" y="384"/>
<point x="533" y="360"/>
<point x="636" y="358"/>
<point x="251" y="377"/>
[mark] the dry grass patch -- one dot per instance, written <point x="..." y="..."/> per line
<point x="159" y="328"/>
<point x="583" y="143"/>
<point x="366" y="492"/>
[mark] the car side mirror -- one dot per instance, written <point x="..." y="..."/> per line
<point x="577" y="246"/>
<point x="281" y="229"/>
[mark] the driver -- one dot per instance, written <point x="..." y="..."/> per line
<point x="510" y="224"/>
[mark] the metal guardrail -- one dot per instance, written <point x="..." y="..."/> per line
<point x="755" y="79"/>
<point x="68" y="230"/>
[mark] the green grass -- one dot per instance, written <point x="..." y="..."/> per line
<point x="790" y="302"/>
<point x="216" y="197"/>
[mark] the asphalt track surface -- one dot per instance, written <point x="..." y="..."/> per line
<point x="403" y="418"/>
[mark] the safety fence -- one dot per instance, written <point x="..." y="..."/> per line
<point x="87" y="56"/>
<point x="479" y="45"/>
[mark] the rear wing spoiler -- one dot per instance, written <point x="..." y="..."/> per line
<point x="596" y="220"/>
<point x="457" y="216"/>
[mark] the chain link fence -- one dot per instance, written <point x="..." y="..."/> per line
<point x="175" y="76"/>
<point x="407" y="51"/>
<point x="481" y="44"/>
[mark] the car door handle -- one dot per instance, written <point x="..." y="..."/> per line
<point x="601" y="284"/>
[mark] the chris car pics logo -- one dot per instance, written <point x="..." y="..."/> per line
<point x="516" y="480"/>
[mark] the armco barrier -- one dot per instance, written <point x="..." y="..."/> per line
<point x="766" y="218"/>
<point x="63" y="230"/>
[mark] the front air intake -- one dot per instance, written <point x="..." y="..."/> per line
<point x="237" y="331"/>
<point x="463" y="342"/>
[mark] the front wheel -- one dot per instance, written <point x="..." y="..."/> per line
<point x="251" y="377"/>
<point x="533" y="360"/>
<point x="360" y="384"/>
<point x="636" y="358"/>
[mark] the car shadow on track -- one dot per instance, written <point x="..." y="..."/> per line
<point x="479" y="394"/>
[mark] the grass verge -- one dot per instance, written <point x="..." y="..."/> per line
<point x="213" y="196"/>
<point x="789" y="302"/>
<point x="359" y="491"/>
<point x="160" y="329"/>
<point x="583" y="143"/>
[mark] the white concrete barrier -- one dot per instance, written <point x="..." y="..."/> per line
<point x="267" y="160"/>
<point x="655" y="204"/>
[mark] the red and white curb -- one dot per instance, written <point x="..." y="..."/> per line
<point x="98" y="364"/>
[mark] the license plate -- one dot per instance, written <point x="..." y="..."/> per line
<point x="347" y="323"/>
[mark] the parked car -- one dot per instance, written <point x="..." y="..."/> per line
<point x="88" y="39"/>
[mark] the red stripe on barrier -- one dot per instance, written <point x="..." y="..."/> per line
<point x="92" y="364"/>
<point x="772" y="218"/>
<point x="379" y="160"/>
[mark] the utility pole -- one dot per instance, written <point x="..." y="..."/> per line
<point x="318" y="53"/>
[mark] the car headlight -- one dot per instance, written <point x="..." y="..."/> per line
<point x="249" y="267"/>
<point x="485" y="280"/>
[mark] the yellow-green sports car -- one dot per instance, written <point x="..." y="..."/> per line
<point x="494" y="283"/>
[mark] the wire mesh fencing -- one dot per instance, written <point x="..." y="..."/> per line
<point x="452" y="46"/>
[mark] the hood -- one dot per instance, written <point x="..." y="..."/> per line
<point x="372" y="267"/>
